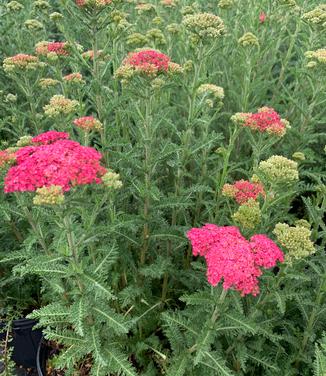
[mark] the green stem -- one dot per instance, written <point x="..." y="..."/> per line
<point x="37" y="229"/>
<point x="147" y="140"/>
<point x="247" y="84"/>
<point x="223" y="176"/>
<point x="67" y="223"/>
<point x="214" y="317"/>
<point x="288" y="56"/>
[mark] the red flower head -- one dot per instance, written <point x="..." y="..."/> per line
<point x="232" y="257"/>
<point x="148" y="61"/>
<point x="243" y="190"/>
<point x="266" y="120"/>
<point x="262" y="17"/>
<point x="58" y="48"/>
<point x="54" y="161"/>
<point x="88" y="123"/>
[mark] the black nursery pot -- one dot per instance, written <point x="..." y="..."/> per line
<point x="25" y="342"/>
<point x="42" y="356"/>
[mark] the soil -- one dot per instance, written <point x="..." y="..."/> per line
<point x="54" y="349"/>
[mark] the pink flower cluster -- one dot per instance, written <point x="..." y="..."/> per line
<point x="24" y="59"/>
<point x="58" y="48"/>
<point x="88" y="123"/>
<point x="243" y="190"/>
<point x="232" y="257"/>
<point x="77" y="77"/>
<point x="54" y="160"/>
<point x="148" y="60"/>
<point x="262" y="17"/>
<point x="266" y="120"/>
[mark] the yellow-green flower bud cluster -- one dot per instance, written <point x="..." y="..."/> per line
<point x="52" y="195"/>
<point x="33" y="25"/>
<point x="137" y="40"/>
<point x="120" y="19"/>
<point x="47" y="82"/>
<point x="156" y="36"/>
<point x="295" y="239"/>
<point x="56" y="17"/>
<point x="225" y="4"/>
<point x="298" y="156"/>
<point x="175" y="68"/>
<point x="317" y="57"/>
<point x="112" y="180"/>
<point x="24" y="141"/>
<point x="125" y="73"/>
<point x="190" y="9"/>
<point x="211" y="91"/>
<point x="289" y="3"/>
<point x="60" y="105"/>
<point x="173" y="28"/>
<point x="240" y="118"/>
<point x="157" y="21"/>
<point x="21" y="62"/>
<point x="279" y="170"/>
<point x="303" y="223"/>
<point x="204" y="25"/>
<point x="14" y="6"/>
<point x="248" y="215"/>
<point x="41" y="4"/>
<point x="11" y="98"/>
<point x="316" y="16"/>
<point x="157" y="83"/>
<point x="248" y="40"/>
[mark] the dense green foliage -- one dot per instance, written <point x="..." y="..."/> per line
<point x="110" y="274"/>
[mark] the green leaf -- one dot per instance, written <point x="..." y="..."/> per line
<point x="114" y="320"/>
<point x="179" y="365"/>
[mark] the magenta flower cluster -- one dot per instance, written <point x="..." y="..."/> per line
<point x="231" y="257"/>
<point x="53" y="159"/>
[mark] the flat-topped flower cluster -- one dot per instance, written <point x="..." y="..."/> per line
<point x="53" y="159"/>
<point x="148" y="63"/>
<point x="266" y="120"/>
<point x="243" y="191"/>
<point x="231" y="257"/>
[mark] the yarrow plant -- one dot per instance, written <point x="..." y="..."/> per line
<point x="152" y="185"/>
